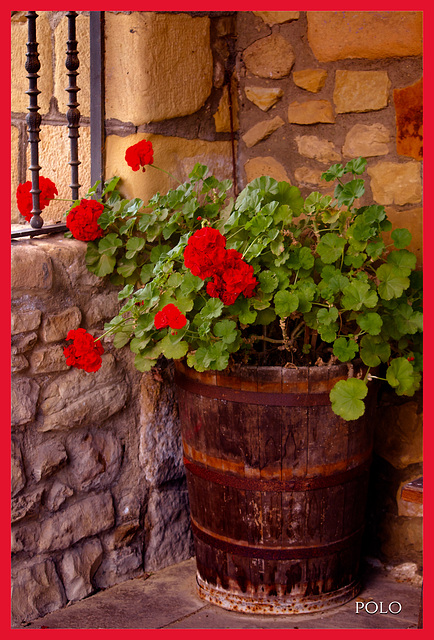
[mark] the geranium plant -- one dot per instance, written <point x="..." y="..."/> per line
<point x="268" y="277"/>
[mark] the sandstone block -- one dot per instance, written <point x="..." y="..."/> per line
<point x="310" y="79"/>
<point x="57" y="495"/>
<point x="277" y="17"/>
<point x="23" y="342"/>
<point x="366" y="140"/>
<point x="18" y="477"/>
<point x="313" y="147"/>
<point x="24" y="398"/>
<point x="67" y="526"/>
<point x="103" y="306"/>
<point x="401" y="539"/>
<point x="48" y="360"/>
<point x="19" y="81"/>
<point x="168" y="511"/>
<point x="174" y="81"/>
<point x="337" y="35"/>
<point x="311" y="178"/>
<point x="47" y="459"/>
<point x="177" y="155"/>
<point x="261" y="131"/>
<point x="265" y="166"/>
<point x="400" y="439"/>
<point x="119" y="565"/>
<point x="94" y="460"/>
<point x="36" y="591"/>
<point x="269" y="57"/>
<point x="83" y="78"/>
<point x="222" y="117"/>
<point x="360" y="91"/>
<point x="68" y="255"/>
<point x="78" y="567"/>
<point x="19" y="363"/>
<point x="409" y="120"/>
<point x="310" y="112"/>
<point x="57" y="326"/>
<point x="77" y="398"/>
<point x="263" y="97"/>
<point x="31" y="268"/>
<point x="394" y="183"/>
<point x="25" y="321"/>
<point x="26" y="505"/>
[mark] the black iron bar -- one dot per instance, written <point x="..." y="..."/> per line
<point x="33" y="118"/>
<point x="73" y="114"/>
<point x="97" y="137"/>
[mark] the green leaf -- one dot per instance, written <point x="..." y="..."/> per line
<point x="402" y="377"/>
<point x="350" y="192"/>
<point x="345" y="349"/>
<point x="333" y="172"/>
<point x="330" y="247"/>
<point x="285" y="303"/>
<point x="358" y="294"/>
<point x="212" y="309"/>
<point x="392" y="283"/>
<point x="327" y="316"/>
<point x="171" y="350"/>
<point x="268" y="281"/>
<point x="373" y="350"/>
<point x="190" y="283"/>
<point x="110" y="186"/>
<point x="347" y="398"/>
<point x="126" y="292"/>
<point x="109" y="244"/>
<point x="356" y="166"/>
<point x="403" y="260"/>
<point x="370" y="322"/>
<point x="104" y="266"/>
<point x="226" y="330"/>
<point x="134" y="245"/>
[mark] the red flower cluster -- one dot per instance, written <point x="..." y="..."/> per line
<point x="85" y="352"/>
<point x="139" y="155"/>
<point x="207" y="257"/>
<point x="82" y="220"/>
<point x="24" y="197"/>
<point x="170" y="316"/>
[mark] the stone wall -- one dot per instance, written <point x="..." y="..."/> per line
<point x="247" y="93"/>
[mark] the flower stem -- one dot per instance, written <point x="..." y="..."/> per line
<point x="167" y="172"/>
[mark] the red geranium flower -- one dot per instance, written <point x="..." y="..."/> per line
<point x="82" y="220"/>
<point x="233" y="277"/>
<point x="24" y="197"/>
<point x="139" y="155"/>
<point x="205" y="251"/>
<point x="85" y="352"/>
<point x="170" y="316"/>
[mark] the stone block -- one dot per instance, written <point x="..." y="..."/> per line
<point x="54" y="156"/>
<point x="22" y="343"/>
<point x="67" y="526"/>
<point x="57" y="495"/>
<point x="265" y="166"/>
<point x="269" y="57"/>
<point x="26" y="505"/>
<point x="119" y="565"/>
<point x="175" y="80"/>
<point x="47" y="458"/>
<point x="338" y="35"/>
<point x="18" y="477"/>
<point x="83" y="78"/>
<point x="361" y="91"/>
<point x="36" y="591"/>
<point x="56" y="327"/>
<point x="322" y="150"/>
<point x="222" y="117"/>
<point x="311" y="80"/>
<point x="394" y="183"/>
<point x="261" y="131"/>
<point x="31" y="268"/>
<point x="77" y="568"/>
<point x="168" y="521"/>
<point x="401" y="539"/>
<point x="101" y="307"/>
<point x="94" y="460"/>
<point x="19" y="81"/>
<point x="68" y="255"/>
<point x="19" y="363"/>
<point x="310" y="112"/>
<point x="367" y="140"/>
<point x="277" y="17"/>
<point x="400" y="440"/>
<point x="176" y="155"/>
<point x="77" y="398"/>
<point x="409" y="120"/>
<point x="311" y="179"/>
<point x="25" y="321"/>
<point x="263" y="97"/>
<point x="24" y="399"/>
<point x="48" y="360"/>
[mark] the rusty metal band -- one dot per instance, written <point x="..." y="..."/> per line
<point x="252" y="397"/>
<point x="276" y="553"/>
<point x="265" y="484"/>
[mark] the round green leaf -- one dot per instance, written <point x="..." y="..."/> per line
<point x="347" y="398"/>
<point x="285" y="303"/>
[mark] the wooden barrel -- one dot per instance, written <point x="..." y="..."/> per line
<point x="277" y="486"/>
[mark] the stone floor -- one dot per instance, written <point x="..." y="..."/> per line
<point x="168" y="600"/>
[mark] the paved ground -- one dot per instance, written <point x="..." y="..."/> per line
<point x="168" y="600"/>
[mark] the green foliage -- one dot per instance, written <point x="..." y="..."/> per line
<point x="327" y="286"/>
